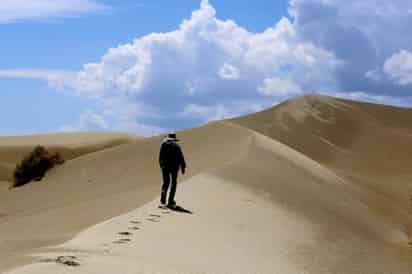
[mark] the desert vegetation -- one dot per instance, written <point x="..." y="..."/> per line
<point x="35" y="165"/>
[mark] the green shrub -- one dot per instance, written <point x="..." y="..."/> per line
<point x="35" y="165"/>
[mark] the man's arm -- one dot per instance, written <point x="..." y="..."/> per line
<point x="161" y="155"/>
<point x="182" y="160"/>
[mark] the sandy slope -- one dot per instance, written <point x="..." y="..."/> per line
<point x="367" y="144"/>
<point x="306" y="204"/>
<point x="69" y="145"/>
<point x="98" y="186"/>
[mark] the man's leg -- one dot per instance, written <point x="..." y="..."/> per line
<point x="173" y="188"/>
<point x="165" y="186"/>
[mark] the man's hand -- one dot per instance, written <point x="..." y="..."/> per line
<point x="183" y="170"/>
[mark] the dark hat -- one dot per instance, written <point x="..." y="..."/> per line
<point x="172" y="136"/>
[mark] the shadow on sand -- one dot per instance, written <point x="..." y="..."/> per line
<point x="180" y="209"/>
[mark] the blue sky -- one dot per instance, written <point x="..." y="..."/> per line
<point x="153" y="66"/>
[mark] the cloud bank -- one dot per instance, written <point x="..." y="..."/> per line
<point x="364" y="34"/>
<point x="22" y="10"/>
<point x="210" y="68"/>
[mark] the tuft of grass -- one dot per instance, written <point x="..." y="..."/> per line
<point x="35" y="165"/>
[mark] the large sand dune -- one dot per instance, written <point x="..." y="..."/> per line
<point x="314" y="185"/>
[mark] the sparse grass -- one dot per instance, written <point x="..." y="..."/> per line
<point x="35" y="165"/>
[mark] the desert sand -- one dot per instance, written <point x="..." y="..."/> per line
<point x="314" y="185"/>
<point x="69" y="145"/>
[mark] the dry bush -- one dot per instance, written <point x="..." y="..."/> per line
<point x="35" y="165"/>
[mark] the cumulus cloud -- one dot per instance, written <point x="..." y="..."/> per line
<point x="210" y="68"/>
<point x="399" y="67"/>
<point x="20" y="10"/>
<point x="279" y="87"/>
<point x="200" y="57"/>
<point x="361" y="33"/>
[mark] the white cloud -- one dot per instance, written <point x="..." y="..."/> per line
<point x="20" y="10"/>
<point x="168" y="73"/>
<point x="168" y="63"/>
<point x="55" y="78"/>
<point x="401" y="101"/>
<point x="206" y="113"/>
<point x="399" y="67"/>
<point x="220" y="111"/>
<point x="279" y="87"/>
<point x="229" y="72"/>
<point x="374" y="75"/>
<point x="210" y="68"/>
<point x="360" y="33"/>
<point x="89" y="121"/>
<point x="33" y="73"/>
<point x="140" y="129"/>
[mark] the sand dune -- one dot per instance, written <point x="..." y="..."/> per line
<point x="98" y="186"/>
<point x="69" y="145"/>
<point x="367" y="144"/>
<point x="314" y="185"/>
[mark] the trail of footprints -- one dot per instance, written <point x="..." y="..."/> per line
<point x="73" y="261"/>
<point x="155" y="218"/>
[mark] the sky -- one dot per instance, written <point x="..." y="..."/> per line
<point x="149" y="67"/>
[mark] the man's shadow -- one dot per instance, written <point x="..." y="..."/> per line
<point x="180" y="209"/>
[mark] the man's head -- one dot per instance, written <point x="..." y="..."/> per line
<point x="172" y="136"/>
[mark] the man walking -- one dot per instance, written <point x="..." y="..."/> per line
<point x="171" y="159"/>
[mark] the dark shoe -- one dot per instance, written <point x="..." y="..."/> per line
<point x="171" y="204"/>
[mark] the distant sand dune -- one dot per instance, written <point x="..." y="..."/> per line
<point x="314" y="185"/>
<point x="69" y="145"/>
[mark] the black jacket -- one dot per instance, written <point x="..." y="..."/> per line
<point x="171" y="155"/>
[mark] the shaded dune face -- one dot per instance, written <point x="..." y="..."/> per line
<point x="340" y="168"/>
<point x="340" y="133"/>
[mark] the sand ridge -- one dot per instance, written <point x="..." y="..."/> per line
<point x="299" y="188"/>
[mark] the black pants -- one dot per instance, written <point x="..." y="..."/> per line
<point x="169" y="175"/>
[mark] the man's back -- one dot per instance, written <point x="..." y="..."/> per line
<point x="171" y="155"/>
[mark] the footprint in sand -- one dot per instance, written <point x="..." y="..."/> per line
<point x="135" y="222"/>
<point x="152" y="220"/>
<point x="125" y="233"/>
<point x="248" y="201"/>
<point x="122" y="241"/>
<point x="134" y="228"/>
<point x="154" y="215"/>
<point x="64" y="260"/>
<point x="67" y="260"/>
